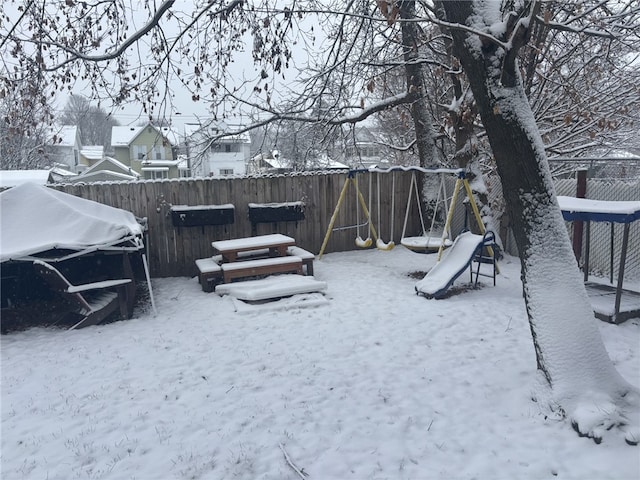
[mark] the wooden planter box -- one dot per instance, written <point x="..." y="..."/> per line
<point x="276" y="212"/>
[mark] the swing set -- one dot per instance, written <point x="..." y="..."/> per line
<point x="429" y="241"/>
<point x="352" y="180"/>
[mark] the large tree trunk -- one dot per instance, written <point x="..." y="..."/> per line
<point x="425" y="139"/>
<point x="571" y="357"/>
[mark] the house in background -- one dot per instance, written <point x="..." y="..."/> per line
<point x="274" y="162"/>
<point x="184" y="169"/>
<point x="148" y="150"/>
<point x="61" y="174"/>
<point x="209" y="156"/>
<point x="107" y="169"/>
<point x="89" y="156"/>
<point x="365" y="150"/>
<point x="65" y="146"/>
<point x="270" y="162"/>
<point x="324" y="162"/>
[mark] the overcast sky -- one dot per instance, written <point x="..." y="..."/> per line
<point x="184" y="109"/>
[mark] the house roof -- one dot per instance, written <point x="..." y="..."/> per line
<point x="103" y="176"/>
<point x="92" y="152"/>
<point x="100" y="166"/>
<point x="61" y="174"/>
<point x="63" y="136"/>
<point x="276" y="161"/>
<point x="11" y="178"/>
<point x="279" y="162"/>
<point x="211" y="129"/>
<point x="61" y="169"/>
<point x="366" y="135"/>
<point x="191" y="128"/>
<point x="122" y="136"/>
<point x="324" y="162"/>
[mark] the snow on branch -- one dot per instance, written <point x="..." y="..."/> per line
<point x="465" y="28"/>
<point x="584" y="30"/>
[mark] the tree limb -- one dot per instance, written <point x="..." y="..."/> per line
<point x="75" y="54"/>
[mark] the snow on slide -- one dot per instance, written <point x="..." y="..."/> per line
<point x="454" y="261"/>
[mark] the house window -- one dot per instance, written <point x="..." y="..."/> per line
<point x="139" y="152"/>
<point x="226" y="171"/>
<point x="156" y="153"/>
<point x="231" y="147"/>
<point x="157" y="174"/>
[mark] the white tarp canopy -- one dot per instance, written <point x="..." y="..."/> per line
<point x="35" y="219"/>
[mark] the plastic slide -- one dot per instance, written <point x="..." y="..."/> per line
<point x="454" y="261"/>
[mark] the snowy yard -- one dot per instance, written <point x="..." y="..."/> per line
<point x="379" y="383"/>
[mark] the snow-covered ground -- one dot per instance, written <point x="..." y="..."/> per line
<point x="377" y="383"/>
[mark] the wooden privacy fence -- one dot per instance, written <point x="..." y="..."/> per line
<point x="173" y="248"/>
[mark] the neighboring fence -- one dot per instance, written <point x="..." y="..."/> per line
<point x="614" y="187"/>
<point x="600" y="252"/>
<point x="172" y="250"/>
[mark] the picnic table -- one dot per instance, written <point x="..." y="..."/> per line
<point x="276" y="243"/>
<point x="261" y="255"/>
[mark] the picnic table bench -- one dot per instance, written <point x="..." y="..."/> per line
<point x="262" y="255"/>
<point x="264" y="266"/>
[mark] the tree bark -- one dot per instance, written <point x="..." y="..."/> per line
<point x="425" y="138"/>
<point x="569" y="349"/>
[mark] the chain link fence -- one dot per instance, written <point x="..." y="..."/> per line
<point x="611" y="179"/>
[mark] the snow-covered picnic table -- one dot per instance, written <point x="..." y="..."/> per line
<point x="276" y="243"/>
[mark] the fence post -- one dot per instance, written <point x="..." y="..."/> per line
<point x="581" y="191"/>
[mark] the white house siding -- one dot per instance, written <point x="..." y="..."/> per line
<point x="233" y="163"/>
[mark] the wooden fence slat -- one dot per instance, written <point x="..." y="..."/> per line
<point x="172" y="251"/>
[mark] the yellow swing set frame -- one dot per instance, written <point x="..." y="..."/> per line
<point x="351" y="180"/>
<point x="461" y="182"/>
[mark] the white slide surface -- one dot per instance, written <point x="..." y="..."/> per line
<point x="454" y="261"/>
